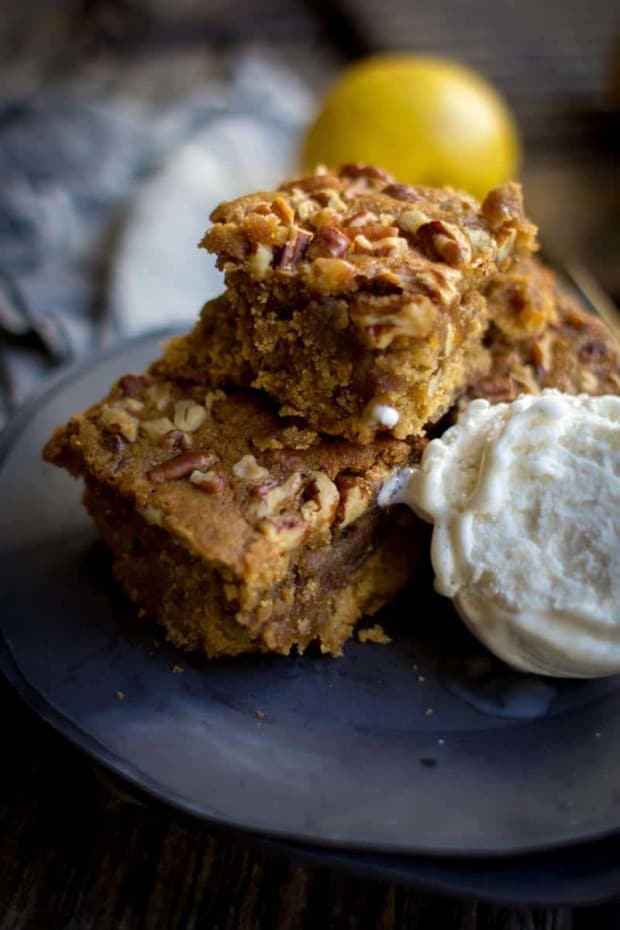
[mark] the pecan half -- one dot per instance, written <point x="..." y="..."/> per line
<point x="182" y="465"/>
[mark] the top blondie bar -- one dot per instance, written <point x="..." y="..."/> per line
<point x="354" y="301"/>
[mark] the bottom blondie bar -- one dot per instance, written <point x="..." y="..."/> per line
<point x="236" y="529"/>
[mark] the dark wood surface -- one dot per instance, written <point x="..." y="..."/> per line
<point x="75" y="852"/>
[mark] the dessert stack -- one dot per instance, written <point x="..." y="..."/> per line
<point x="236" y="481"/>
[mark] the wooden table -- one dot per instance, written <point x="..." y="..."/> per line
<point x="75" y="852"/>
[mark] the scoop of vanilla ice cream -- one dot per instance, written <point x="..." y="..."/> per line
<point x="525" y="502"/>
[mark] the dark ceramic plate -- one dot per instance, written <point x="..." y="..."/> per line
<point x="425" y="746"/>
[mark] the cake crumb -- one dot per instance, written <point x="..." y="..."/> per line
<point x="120" y="695"/>
<point x="259" y="713"/>
<point x="374" y="634"/>
<point x="177" y="669"/>
<point x="428" y="711"/>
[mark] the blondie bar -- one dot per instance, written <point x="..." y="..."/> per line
<point x="236" y="529"/>
<point x="352" y="300"/>
<point x="543" y="337"/>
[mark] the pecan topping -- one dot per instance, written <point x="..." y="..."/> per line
<point x="157" y="428"/>
<point x="322" y="501"/>
<point x="400" y="192"/>
<point x="363" y="218"/>
<point x="443" y="241"/>
<point x="248" y="469"/>
<point x="354" y="500"/>
<point x="176" y="437"/>
<point x="316" y="182"/>
<point x="329" y="241"/>
<point x="330" y="275"/>
<point x="282" y="209"/>
<point x="189" y="416"/>
<point x="357" y="169"/>
<point x="113" y="442"/>
<point x="294" y="249"/>
<point x="117" y="420"/>
<point x="182" y="465"/>
<point x="131" y="384"/>
<point x="376" y="231"/>
<point x="503" y="205"/>
<point x="210" y="481"/>
<point x="287" y="531"/>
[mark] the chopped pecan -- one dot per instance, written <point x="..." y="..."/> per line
<point x="287" y="531"/>
<point x="176" y="437"/>
<point x="503" y="205"/>
<point x="330" y="275"/>
<point x="284" y="210"/>
<point x="401" y="192"/>
<point x="330" y="198"/>
<point x="117" y="420"/>
<point x="131" y="384"/>
<point x="159" y="395"/>
<point x="411" y="220"/>
<point x="362" y="218"/>
<point x="271" y="498"/>
<point x="210" y="481"/>
<point x="189" y="416"/>
<point x="413" y="317"/>
<point x="386" y="246"/>
<point x="376" y="231"/>
<point x="133" y="405"/>
<point x="157" y="428"/>
<point x="329" y="241"/>
<point x="248" y="469"/>
<point x="114" y="442"/>
<point x="445" y="242"/>
<point x="354" y="500"/>
<point x="356" y="169"/>
<point x="182" y="465"/>
<point x="316" y="182"/>
<point x="322" y="499"/>
<point x="294" y="249"/>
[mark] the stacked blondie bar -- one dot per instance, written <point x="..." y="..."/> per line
<point x="236" y="481"/>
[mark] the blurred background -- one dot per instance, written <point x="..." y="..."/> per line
<point x="123" y="122"/>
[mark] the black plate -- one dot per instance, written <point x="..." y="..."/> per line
<point x="423" y="746"/>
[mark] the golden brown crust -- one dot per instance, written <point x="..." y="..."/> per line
<point x="221" y="492"/>
<point x="348" y="293"/>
